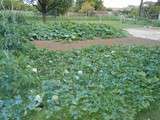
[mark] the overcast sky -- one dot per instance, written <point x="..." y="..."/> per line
<point x="122" y="3"/>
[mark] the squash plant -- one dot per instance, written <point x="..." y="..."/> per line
<point x="74" y="31"/>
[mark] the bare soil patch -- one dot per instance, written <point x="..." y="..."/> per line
<point x="61" y="46"/>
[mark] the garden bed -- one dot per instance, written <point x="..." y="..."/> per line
<point x="112" y="83"/>
<point x="74" y="31"/>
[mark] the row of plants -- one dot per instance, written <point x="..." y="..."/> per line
<point x="59" y="31"/>
<point x="74" y="31"/>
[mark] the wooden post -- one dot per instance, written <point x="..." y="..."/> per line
<point x="141" y="9"/>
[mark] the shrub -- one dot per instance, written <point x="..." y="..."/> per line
<point x="13" y="17"/>
<point x="11" y="34"/>
<point x="156" y="23"/>
<point x="10" y="39"/>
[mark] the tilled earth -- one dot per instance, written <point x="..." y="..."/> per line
<point x="63" y="46"/>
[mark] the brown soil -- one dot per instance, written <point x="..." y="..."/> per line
<point x="61" y="46"/>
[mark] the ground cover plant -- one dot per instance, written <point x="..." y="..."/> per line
<point x="74" y="31"/>
<point x="58" y="31"/>
<point x="113" y="84"/>
<point x="103" y="83"/>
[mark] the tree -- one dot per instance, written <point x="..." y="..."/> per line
<point x="57" y="7"/>
<point x="14" y="5"/>
<point x="60" y="7"/>
<point x="79" y="5"/>
<point x="141" y="9"/>
<point x="98" y="4"/>
<point x="95" y="4"/>
<point x="87" y="7"/>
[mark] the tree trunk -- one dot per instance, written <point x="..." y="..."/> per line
<point x="141" y="9"/>
<point x="11" y="5"/>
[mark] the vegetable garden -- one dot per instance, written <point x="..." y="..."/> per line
<point x="95" y="83"/>
<point x="74" y="31"/>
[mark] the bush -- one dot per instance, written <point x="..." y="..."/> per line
<point x="10" y="39"/>
<point x="13" y="17"/>
<point x="156" y="23"/>
<point x="12" y="31"/>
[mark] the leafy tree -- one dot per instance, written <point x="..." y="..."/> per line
<point x="57" y="7"/>
<point x="60" y="7"/>
<point x="98" y="4"/>
<point x="79" y="4"/>
<point x="15" y="5"/>
<point x="87" y="6"/>
<point x="151" y="10"/>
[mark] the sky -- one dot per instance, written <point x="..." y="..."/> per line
<point x="122" y="3"/>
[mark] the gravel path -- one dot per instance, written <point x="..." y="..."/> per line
<point x="147" y="33"/>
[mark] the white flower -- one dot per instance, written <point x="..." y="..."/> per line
<point x="50" y="61"/>
<point x="113" y="52"/>
<point x="55" y="98"/>
<point x="66" y="71"/>
<point x="77" y="77"/>
<point x="80" y="72"/>
<point x="107" y="55"/>
<point x="34" y="70"/>
<point x="31" y="91"/>
<point x="25" y="113"/>
<point x="28" y="66"/>
<point x="38" y="99"/>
